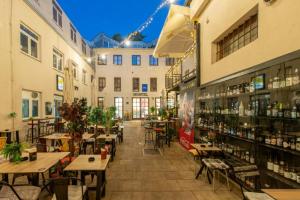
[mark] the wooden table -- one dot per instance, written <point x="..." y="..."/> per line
<point x="57" y="136"/>
<point x="43" y="163"/>
<point x="113" y="138"/>
<point x="87" y="136"/>
<point x="283" y="194"/>
<point x="82" y="164"/>
<point x="204" y="147"/>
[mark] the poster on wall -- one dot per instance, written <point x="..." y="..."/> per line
<point x="186" y="115"/>
<point x="59" y="83"/>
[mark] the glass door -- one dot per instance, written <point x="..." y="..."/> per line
<point x="119" y="107"/>
<point x="136" y="108"/>
<point x="58" y="101"/>
<point x="144" y="107"/>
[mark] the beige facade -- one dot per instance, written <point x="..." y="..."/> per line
<point x="24" y="76"/>
<point x="278" y="33"/>
<point x="126" y="71"/>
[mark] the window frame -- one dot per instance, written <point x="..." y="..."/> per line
<point x="83" y="46"/>
<point x="138" y="60"/>
<point x="57" y="54"/>
<point x="152" y="88"/>
<point x="101" y="83"/>
<point x="102" y="102"/>
<point x="241" y="36"/>
<point x="117" y="84"/>
<point x="170" y="61"/>
<point x="119" y="109"/>
<point x="153" y="61"/>
<point x="117" y="59"/>
<point x="73" y="33"/>
<point x="58" y="15"/>
<point x="30" y="36"/>
<point x="101" y="61"/>
<point x="135" y="85"/>
<point x="83" y="76"/>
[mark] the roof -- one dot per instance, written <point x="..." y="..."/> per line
<point x="177" y="34"/>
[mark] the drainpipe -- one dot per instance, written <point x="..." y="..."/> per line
<point x="11" y="62"/>
<point x="197" y="28"/>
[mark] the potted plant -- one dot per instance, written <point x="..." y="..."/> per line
<point x="162" y="113"/>
<point x="12" y="151"/>
<point x="76" y="117"/>
<point x="95" y="117"/>
<point x="108" y="119"/>
<point x="152" y="110"/>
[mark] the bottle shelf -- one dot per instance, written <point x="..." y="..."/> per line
<point x="238" y="138"/>
<point x="282" y="179"/>
<point x="293" y="152"/>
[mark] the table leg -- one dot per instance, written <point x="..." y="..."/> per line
<point x="200" y="170"/>
<point x="113" y="146"/>
<point x="35" y="179"/>
<point x="100" y="182"/>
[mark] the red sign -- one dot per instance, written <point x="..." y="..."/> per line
<point x="186" y="137"/>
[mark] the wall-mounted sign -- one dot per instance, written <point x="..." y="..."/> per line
<point x="140" y="94"/>
<point x="144" y="87"/>
<point x="59" y="83"/>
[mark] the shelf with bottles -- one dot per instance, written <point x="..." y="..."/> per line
<point x="288" y="181"/>
<point x="284" y="143"/>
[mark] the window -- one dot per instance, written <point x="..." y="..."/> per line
<point x="83" y="46"/>
<point x="30" y="104"/>
<point x="102" y="59"/>
<point x="58" y="101"/>
<point x="136" y="60"/>
<point x="75" y="71"/>
<point x="117" y="84"/>
<point x="238" y="38"/>
<point x="170" y="61"/>
<point x="119" y="107"/>
<point x="101" y="102"/>
<point x="171" y="103"/>
<point x="135" y="84"/>
<point x="29" y="42"/>
<point x="102" y="83"/>
<point x="83" y="76"/>
<point x="157" y="104"/>
<point x="73" y="33"/>
<point x="153" y="84"/>
<point x="140" y="107"/>
<point x="117" y="59"/>
<point x="57" y="13"/>
<point x="57" y="60"/>
<point x="153" y="61"/>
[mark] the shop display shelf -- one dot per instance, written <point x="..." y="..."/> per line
<point x="293" y="152"/>
<point x="282" y="179"/>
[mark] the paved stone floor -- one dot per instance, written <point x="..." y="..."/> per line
<point x="135" y="176"/>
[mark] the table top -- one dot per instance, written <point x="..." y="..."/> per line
<point x="87" y="136"/>
<point x="283" y="194"/>
<point x="110" y="136"/>
<point x="57" y="136"/>
<point x="43" y="163"/>
<point x="81" y="163"/>
<point x="205" y="148"/>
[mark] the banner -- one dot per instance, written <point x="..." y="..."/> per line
<point x="186" y="115"/>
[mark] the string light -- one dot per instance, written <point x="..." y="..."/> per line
<point x="146" y="24"/>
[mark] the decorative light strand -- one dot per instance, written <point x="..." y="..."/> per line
<point x="146" y="24"/>
<point x="186" y="54"/>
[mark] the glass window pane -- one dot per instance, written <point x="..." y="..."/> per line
<point x="24" y="42"/>
<point x="35" y="108"/>
<point x="25" y="108"/>
<point x="34" y="49"/>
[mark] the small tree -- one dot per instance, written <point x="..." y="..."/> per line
<point x="117" y="37"/>
<point x="96" y="116"/>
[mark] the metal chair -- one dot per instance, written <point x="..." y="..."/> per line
<point x="63" y="190"/>
<point x="21" y="192"/>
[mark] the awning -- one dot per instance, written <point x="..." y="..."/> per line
<point x="177" y="34"/>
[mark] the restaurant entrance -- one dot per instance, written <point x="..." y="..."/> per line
<point x="140" y="107"/>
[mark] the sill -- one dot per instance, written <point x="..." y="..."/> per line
<point x="60" y="71"/>
<point x="30" y="56"/>
<point x="57" y="24"/>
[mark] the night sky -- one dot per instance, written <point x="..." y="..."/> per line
<point x="115" y="16"/>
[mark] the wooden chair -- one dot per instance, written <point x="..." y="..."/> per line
<point x="2" y="142"/>
<point x="63" y="190"/>
<point x="24" y="192"/>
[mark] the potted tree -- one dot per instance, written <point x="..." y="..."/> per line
<point x="162" y="113"/>
<point x="76" y="117"/>
<point x="109" y="116"/>
<point x="96" y="116"/>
